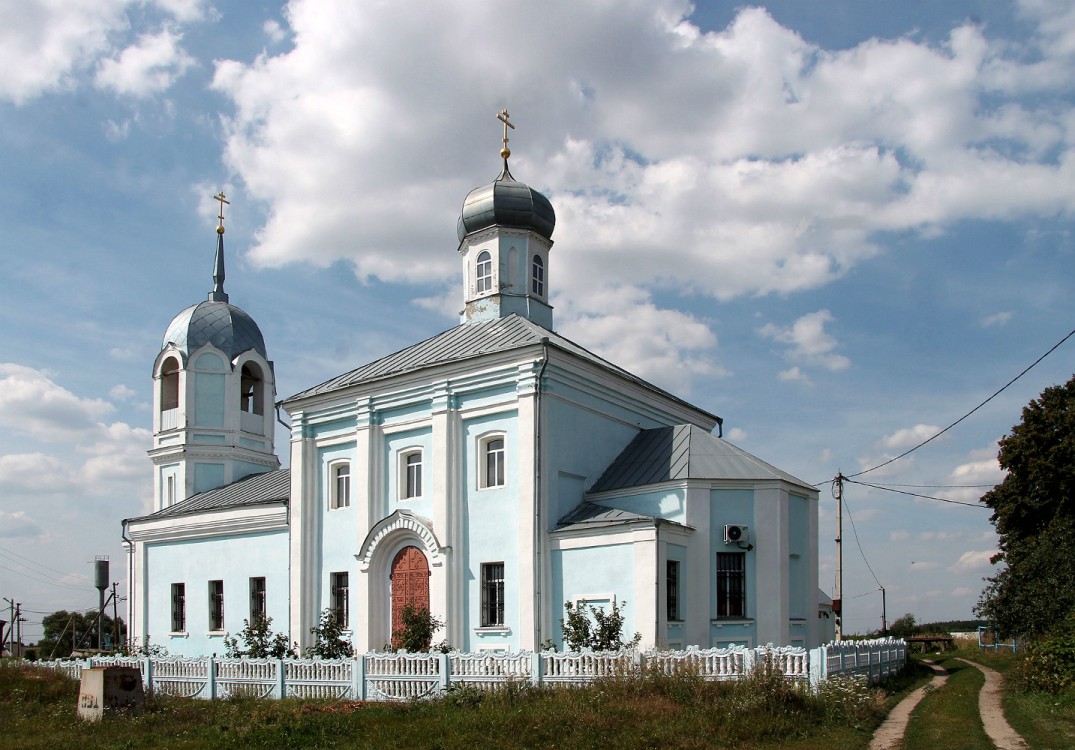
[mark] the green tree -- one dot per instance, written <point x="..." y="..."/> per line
<point x="604" y="632"/>
<point x="329" y="641"/>
<point x="259" y="642"/>
<point x="63" y="630"/>
<point x="1034" y="514"/>
<point x="416" y="635"/>
<point x="903" y="627"/>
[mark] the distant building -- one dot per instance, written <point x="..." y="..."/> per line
<point x="491" y="473"/>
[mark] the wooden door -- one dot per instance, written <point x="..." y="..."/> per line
<point x="410" y="583"/>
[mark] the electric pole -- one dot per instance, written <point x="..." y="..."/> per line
<point x="838" y="600"/>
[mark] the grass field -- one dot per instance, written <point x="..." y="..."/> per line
<point x="37" y="710"/>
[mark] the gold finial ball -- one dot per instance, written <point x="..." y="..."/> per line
<point x="220" y="230"/>
<point x="505" y="152"/>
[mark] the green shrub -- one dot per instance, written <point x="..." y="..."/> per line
<point x="416" y="635"/>
<point x="1049" y="663"/>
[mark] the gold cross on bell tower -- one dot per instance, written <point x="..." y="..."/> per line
<point x="220" y="197"/>
<point x="503" y="117"/>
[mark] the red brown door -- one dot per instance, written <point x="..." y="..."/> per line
<point x="410" y="583"/>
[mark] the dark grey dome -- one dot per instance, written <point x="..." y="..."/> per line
<point x="224" y="326"/>
<point x="508" y="203"/>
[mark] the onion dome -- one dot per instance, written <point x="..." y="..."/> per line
<point x="215" y="321"/>
<point x="506" y="202"/>
<point x="224" y="326"/>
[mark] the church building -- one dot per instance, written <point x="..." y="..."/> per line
<point x="490" y="473"/>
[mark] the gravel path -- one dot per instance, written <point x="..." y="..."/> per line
<point x="996" y="726"/>
<point x="889" y="736"/>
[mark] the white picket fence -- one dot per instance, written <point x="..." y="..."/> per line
<point x="403" y="676"/>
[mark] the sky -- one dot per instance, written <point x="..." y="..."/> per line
<point x="840" y="226"/>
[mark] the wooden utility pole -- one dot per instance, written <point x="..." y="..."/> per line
<point x="838" y="600"/>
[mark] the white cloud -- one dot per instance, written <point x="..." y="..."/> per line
<point x="122" y="393"/>
<point x="808" y="343"/>
<point x="908" y="437"/>
<point x="148" y="67"/>
<point x="900" y="535"/>
<point x="996" y="319"/>
<point x="32" y="404"/>
<point x="274" y="31"/>
<point x="976" y="560"/>
<point x="18" y="524"/>
<point x="793" y="374"/>
<point x="737" y="435"/>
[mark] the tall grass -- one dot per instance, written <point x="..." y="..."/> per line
<point x="37" y="709"/>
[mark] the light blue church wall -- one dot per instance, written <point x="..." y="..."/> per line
<point x="732" y="506"/>
<point x="208" y="476"/>
<point x="491" y="529"/>
<point x="232" y="559"/>
<point x="396" y="445"/>
<point x="669" y="504"/>
<point x="338" y="542"/>
<point x="582" y="443"/>
<point x="675" y="633"/>
<point x="597" y="574"/>
<point x="798" y="554"/>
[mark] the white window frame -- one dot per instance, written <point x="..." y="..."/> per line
<point x="485" y="482"/>
<point x="483" y="277"/>
<point x="406" y="491"/>
<point x="335" y="501"/>
<point x="537" y="275"/>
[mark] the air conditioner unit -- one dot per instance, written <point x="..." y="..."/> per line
<point x="736" y="534"/>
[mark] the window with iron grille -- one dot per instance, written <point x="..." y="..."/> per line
<point x="216" y="605"/>
<point x="731" y="584"/>
<point x="492" y="594"/>
<point x="257" y="599"/>
<point x="340" y="595"/>
<point x="672" y="589"/>
<point x="179" y="607"/>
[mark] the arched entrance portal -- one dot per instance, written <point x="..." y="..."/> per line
<point x="410" y="583"/>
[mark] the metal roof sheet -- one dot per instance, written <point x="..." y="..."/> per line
<point x="683" y="452"/>
<point x="472" y="340"/>
<point x="225" y="326"/>
<point x="268" y="487"/>
<point x="589" y="515"/>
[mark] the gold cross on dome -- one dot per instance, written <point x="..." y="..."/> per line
<point x="503" y="117"/>
<point x="220" y="197"/>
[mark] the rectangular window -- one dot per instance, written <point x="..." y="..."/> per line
<point x="216" y="605"/>
<point x="179" y="607"/>
<point x="341" y="491"/>
<point x="492" y="594"/>
<point x="257" y="599"/>
<point x="672" y="589"/>
<point x="339" y="592"/>
<point x="413" y="480"/>
<point x="731" y="584"/>
<point x="493" y="469"/>
<point x="169" y="493"/>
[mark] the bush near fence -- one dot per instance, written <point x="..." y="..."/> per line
<point x="404" y="676"/>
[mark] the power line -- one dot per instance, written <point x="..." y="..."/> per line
<point x="886" y="485"/>
<point x="859" y="544"/>
<point x="976" y="408"/>
<point x="915" y="494"/>
<point x="42" y="580"/>
<point x="7" y="552"/>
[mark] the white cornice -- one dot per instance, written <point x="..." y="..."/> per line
<point x="211" y="523"/>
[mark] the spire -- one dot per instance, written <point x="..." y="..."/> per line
<point x="505" y="152"/>
<point x="218" y="294"/>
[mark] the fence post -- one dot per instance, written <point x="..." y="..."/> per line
<point x="537" y="666"/>
<point x="281" y="676"/>
<point x="147" y="668"/>
<point x="210" y="683"/>
<point x="358" y="677"/>
<point x="445" y="677"/>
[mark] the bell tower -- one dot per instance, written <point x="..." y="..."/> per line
<point x="505" y="235"/>
<point x="213" y="396"/>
